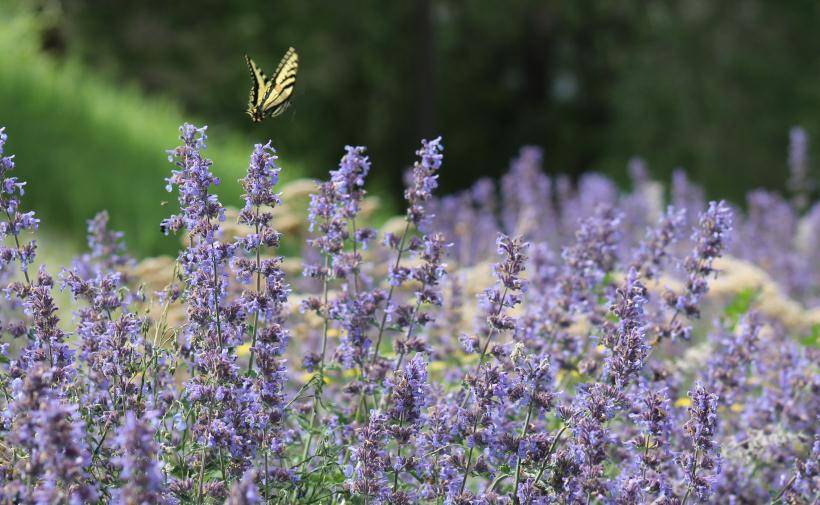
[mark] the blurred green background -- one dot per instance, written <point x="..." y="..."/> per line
<point x="92" y="91"/>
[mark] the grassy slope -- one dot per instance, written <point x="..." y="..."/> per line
<point x="84" y="144"/>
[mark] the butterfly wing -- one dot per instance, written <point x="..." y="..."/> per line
<point x="259" y="87"/>
<point x="278" y="96"/>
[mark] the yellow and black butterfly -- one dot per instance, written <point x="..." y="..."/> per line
<point x="270" y="97"/>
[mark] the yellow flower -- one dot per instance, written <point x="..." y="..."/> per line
<point x="683" y="402"/>
<point x="243" y="350"/>
<point x="306" y="376"/>
<point x="437" y="366"/>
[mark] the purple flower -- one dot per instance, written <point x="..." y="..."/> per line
<point x="193" y="177"/>
<point x="506" y="294"/>
<point x="48" y="345"/>
<point x="366" y="474"/>
<point x="244" y="492"/>
<point x="263" y="175"/>
<point x="701" y="462"/>
<point x="141" y="469"/>
<point x="60" y="456"/>
<point x="626" y="340"/>
<point x="332" y="215"/>
<point x="13" y="221"/>
<point x="423" y="179"/>
<point x="728" y="368"/>
<point x="264" y="304"/>
<point x="106" y="247"/>
<point x="653" y="251"/>
<point x="592" y="255"/>
<point x="354" y="312"/>
<point x="710" y="238"/>
<point x="409" y="395"/>
<point x="227" y="406"/>
<point x="652" y="412"/>
<point x="348" y="180"/>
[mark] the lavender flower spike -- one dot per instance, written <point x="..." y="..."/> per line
<point x="141" y="474"/>
<point x="701" y="463"/>
<point x="13" y="221"/>
<point x="711" y="238"/>
<point x="423" y="179"/>
<point x="506" y="294"/>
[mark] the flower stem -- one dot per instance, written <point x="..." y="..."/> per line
<point x="390" y="294"/>
<point x="518" y="456"/>
<point x="258" y="290"/>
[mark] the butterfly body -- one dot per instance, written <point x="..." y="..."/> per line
<point x="270" y="97"/>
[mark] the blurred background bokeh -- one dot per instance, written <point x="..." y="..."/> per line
<point x="92" y="91"/>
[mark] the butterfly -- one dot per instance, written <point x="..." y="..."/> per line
<point x="270" y="97"/>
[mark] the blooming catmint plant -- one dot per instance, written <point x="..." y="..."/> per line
<point x="592" y="255"/>
<point x="710" y="239"/>
<point x="423" y="179"/>
<point x="390" y="372"/>
<point x="626" y="341"/>
<point x="224" y="406"/>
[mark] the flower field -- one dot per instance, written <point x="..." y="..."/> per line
<point x="539" y="340"/>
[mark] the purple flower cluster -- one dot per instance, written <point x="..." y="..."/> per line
<point x="15" y="221"/>
<point x="701" y="462"/>
<point x="139" y="459"/>
<point x="626" y="341"/>
<point x="585" y="373"/>
<point x="710" y="239"/>
<point x="423" y="179"/>
<point x="263" y="304"/>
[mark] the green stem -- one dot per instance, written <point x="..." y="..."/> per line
<point x="222" y="469"/>
<point x="466" y="397"/>
<point x="267" y="472"/>
<point x="390" y="293"/>
<point x="409" y="333"/>
<point x="258" y="289"/>
<point x="355" y="254"/>
<point x="487" y="343"/>
<point x="201" y="477"/>
<point x="691" y="476"/>
<point x="216" y="297"/>
<point x="469" y="456"/>
<point x="19" y="251"/>
<point x="788" y="485"/>
<point x="317" y="392"/>
<point x="523" y="434"/>
<point x="549" y="453"/>
<point x="398" y="457"/>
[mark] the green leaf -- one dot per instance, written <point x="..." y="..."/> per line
<point x="813" y="339"/>
<point x="740" y="304"/>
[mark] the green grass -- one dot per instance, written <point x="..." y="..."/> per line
<point x="85" y="144"/>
